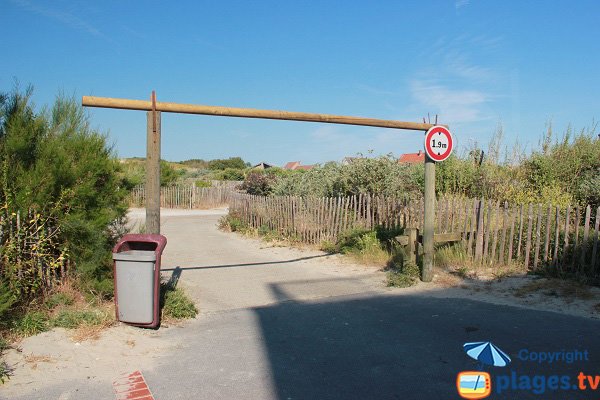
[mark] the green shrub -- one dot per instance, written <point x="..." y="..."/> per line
<point x="358" y="240"/>
<point x="406" y="277"/>
<point x="258" y="183"/>
<point x="74" y="318"/>
<point x="452" y="255"/>
<point x="222" y="164"/>
<point x="232" y="223"/>
<point x="203" y="184"/>
<point x="176" y="304"/>
<point x="400" y="271"/>
<point x="328" y="247"/>
<point x="7" y="299"/>
<point x="195" y="163"/>
<point x="231" y="174"/>
<point x="378" y="176"/>
<point x="32" y="323"/>
<point x="169" y="175"/>
<point x="53" y="162"/>
<point x="4" y="372"/>
<point x="58" y="299"/>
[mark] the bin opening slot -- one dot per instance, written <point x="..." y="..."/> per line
<point x="147" y="246"/>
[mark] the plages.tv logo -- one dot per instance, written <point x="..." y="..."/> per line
<point x="473" y="384"/>
<point x="478" y="384"/>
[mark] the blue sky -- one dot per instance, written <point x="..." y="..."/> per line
<point x="477" y="64"/>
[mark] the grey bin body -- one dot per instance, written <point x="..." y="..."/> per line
<point x="134" y="273"/>
<point x="136" y="270"/>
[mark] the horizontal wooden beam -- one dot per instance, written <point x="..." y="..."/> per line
<point x="142" y="105"/>
<point x="444" y="237"/>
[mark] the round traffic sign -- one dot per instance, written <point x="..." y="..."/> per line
<point x="438" y="143"/>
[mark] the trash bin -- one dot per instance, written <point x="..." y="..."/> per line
<point x="137" y="279"/>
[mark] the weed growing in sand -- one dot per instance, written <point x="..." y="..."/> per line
<point x="59" y="299"/>
<point x="32" y="323"/>
<point x="175" y="303"/>
<point x="71" y="319"/>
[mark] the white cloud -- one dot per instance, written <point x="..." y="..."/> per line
<point x="327" y="134"/>
<point x="376" y="91"/>
<point x="63" y="17"/>
<point x="453" y="105"/>
<point x="458" y="4"/>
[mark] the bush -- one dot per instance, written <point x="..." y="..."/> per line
<point x="58" y="299"/>
<point x="203" y="184"/>
<point x="232" y="222"/>
<point x="195" y="163"/>
<point x="7" y="299"/>
<point x="377" y="176"/>
<point x="71" y="319"/>
<point x="169" y="175"/>
<point x="32" y="323"/>
<point x="176" y="304"/>
<point x="588" y="191"/>
<point x="231" y="174"/>
<point x="258" y="183"/>
<point x="406" y="276"/>
<point x="221" y="164"/>
<point x="54" y="163"/>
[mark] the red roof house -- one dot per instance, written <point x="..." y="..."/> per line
<point x="295" y="165"/>
<point x="412" y="158"/>
<point x="292" y="165"/>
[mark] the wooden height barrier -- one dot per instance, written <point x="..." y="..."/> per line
<point x="153" y="150"/>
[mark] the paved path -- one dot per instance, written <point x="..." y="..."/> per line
<point x="280" y="323"/>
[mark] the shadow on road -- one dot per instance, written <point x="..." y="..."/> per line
<point x="410" y="347"/>
<point x="245" y="264"/>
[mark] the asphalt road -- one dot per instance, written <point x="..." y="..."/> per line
<point x="368" y="347"/>
<point x="280" y="323"/>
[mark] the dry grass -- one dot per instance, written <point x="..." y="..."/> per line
<point x="447" y="280"/>
<point x="568" y="290"/>
<point x="33" y="360"/>
<point x="64" y="307"/>
<point x="90" y="332"/>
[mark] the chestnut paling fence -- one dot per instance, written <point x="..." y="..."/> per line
<point x="185" y="197"/>
<point x="492" y="233"/>
<point x="32" y="256"/>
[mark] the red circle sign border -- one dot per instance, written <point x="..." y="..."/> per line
<point x="430" y="153"/>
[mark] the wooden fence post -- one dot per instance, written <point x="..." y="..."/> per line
<point x="480" y="230"/>
<point x="596" y="234"/>
<point x="413" y="234"/>
<point x="586" y="235"/>
<point x="537" y="236"/>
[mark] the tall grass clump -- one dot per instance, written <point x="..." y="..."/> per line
<point x="175" y="303"/>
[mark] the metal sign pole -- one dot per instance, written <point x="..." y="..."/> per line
<point x="428" y="220"/>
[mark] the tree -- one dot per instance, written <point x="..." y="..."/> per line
<point x="54" y="163"/>
<point x="221" y="164"/>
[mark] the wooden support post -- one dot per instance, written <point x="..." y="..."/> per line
<point x="413" y="234"/>
<point x="429" y="220"/>
<point x="153" y="173"/>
